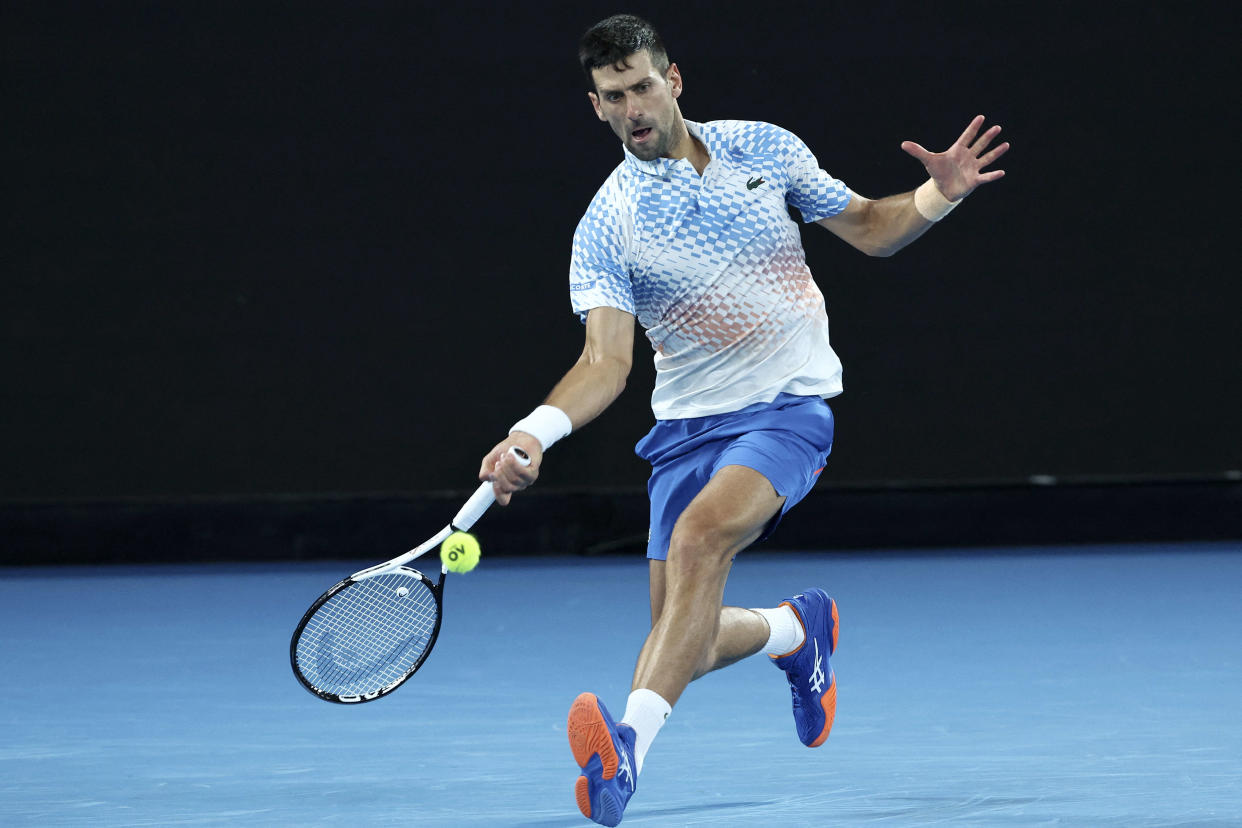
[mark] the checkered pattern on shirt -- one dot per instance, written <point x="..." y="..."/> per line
<point x="713" y="268"/>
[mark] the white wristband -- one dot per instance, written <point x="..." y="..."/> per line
<point x="931" y="203"/>
<point x="547" y="424"/>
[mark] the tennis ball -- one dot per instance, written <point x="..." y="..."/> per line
<point x="460" y="552"/>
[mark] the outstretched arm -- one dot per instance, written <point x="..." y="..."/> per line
<point x="881" y="227"/>
<point x="589" y="387"/>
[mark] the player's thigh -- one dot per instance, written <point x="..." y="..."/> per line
<point x="729" y="514"/>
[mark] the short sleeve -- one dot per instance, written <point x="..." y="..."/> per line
<point x="598" y="273"/>
<point x="812" y="192"/>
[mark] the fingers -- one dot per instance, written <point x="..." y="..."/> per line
<point x="976" y="144"/>
<point x="990" y="157"/>
<point x="509" y="477"/>
<point x="506" y="474"/>
<point x="957" y="170"/>
<point x="510" y="468"/>
<point x="504" y="481"/>
<point x="970" y="141"/>
<point x="968" y="136"/>
<point x="502" y="498"/>
<point x="984" y="157"/>
<point x="503" y="489"/>
<point x="977" y="148"/>
<point x="489" y="463"/>
<point x="917" y="150"/>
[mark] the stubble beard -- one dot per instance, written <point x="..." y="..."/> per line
<point x="661" y="146"/>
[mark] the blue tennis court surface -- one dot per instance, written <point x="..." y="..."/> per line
<point x="1093" y="686"/>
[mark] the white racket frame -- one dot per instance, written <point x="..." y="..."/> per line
<point x="467" y="516"/>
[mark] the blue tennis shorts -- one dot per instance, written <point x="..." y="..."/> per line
<point x="787" y="441"/>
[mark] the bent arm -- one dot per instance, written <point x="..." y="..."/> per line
<point x="884" y="226"/>
<point x="878" y="227"/>
<point x="598" y="377"/>
<point x="591" y="385"/>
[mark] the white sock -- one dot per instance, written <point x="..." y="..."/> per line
<point x="786" y="633"/>
<point x="645" y="711"/>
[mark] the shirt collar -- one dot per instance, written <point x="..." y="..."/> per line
<point x="660" y="166"/>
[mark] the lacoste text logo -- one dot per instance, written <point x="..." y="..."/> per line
<point x="754" y="182"/>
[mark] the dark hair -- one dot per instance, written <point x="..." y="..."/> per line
<point x="609" y="42"/>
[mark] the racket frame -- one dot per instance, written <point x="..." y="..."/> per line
<point x="436" y="588"/>
<point x="478" y="503"/>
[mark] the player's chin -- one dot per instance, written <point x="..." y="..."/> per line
<point x="646" y="151"/>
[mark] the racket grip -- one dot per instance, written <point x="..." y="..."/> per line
<point x="483" y="497"/>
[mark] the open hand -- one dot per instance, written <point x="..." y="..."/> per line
<point x="959" y="170"/>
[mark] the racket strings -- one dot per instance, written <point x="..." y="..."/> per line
<point x="368" y="635"/>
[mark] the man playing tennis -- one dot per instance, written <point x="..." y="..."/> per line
<point x="690" y="234"/>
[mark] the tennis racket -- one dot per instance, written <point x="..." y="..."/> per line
<point x="365" y="636"/>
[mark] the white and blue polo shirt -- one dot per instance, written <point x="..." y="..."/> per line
<point x="713" y="268"/>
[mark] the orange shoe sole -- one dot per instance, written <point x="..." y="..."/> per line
<point x="828" y="701"/>
<point x="589" y="736"/>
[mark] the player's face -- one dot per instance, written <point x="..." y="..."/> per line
<point x="640" y="105"/>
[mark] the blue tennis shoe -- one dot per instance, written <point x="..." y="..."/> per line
<point x="810" y="676"/>
<point x="605" y="752"/>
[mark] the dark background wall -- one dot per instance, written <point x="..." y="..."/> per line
<point x="273" y="248"/>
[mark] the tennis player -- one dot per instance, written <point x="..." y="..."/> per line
<point x="691" y="236"/>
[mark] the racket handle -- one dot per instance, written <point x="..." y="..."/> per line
<point x="483" y="497"/>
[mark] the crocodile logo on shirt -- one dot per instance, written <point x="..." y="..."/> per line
<point x="754" y="182"/>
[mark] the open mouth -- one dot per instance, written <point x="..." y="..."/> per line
<point x="641" y="134"/>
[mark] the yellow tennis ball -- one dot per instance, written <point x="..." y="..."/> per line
<point x="460" y="552"/>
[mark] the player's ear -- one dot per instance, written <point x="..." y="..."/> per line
<point x="595" y="105"/>
<point x="673" y="78"/>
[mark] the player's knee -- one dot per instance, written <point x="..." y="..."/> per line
<point x="723" y="533"/>
<point x="700" y="544"/>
